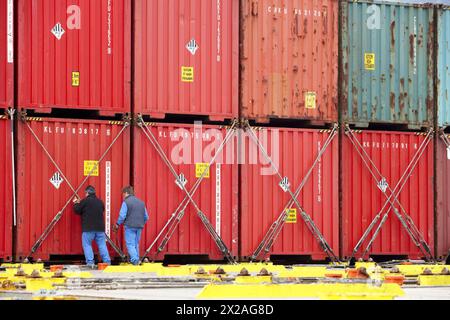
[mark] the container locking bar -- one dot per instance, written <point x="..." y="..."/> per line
<point x="58" y="216"/>
<point x="217" y="239"/>
<point x="306" y="218"/>
<point x="392" y="199"/>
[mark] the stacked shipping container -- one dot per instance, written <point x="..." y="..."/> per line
<point x="387" y="63"/>
<point x="289" y="60"/>
<point x="71" y="56"/>
<point x="186" y="58"/>
<point x="54" y="164"/>
<point x="6" y="212"/>
<point x="74" y="56"/>
<point x="365" y="195"/>
<point x="294" y="152"/>
<point x="6" y="54"/>
<point x="387" y="79"/>
<point x="186" y="62"/>
<point x="443" y="144"/>
<point x="189" y="149"/>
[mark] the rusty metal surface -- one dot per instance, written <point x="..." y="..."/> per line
<point x="443" y="67"/>
<point x="289" y="60"/>
<point x="388" y="67"/>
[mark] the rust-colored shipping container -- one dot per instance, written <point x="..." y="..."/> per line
<point x="43" y="180"/>
<point x="6" y="214"/>
<point x="289" y="60"/>
<point x="392" y="155"/>
<point x="187" y="58"/>
<point x="6" y="53"/>
<point x="188" y="148"/>
<point x="443" y="197"/>
<point x="74" y="55"/>
<point x="295" y="152"/>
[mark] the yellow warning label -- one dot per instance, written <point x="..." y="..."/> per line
<point x="310" y="100"/>
<point x="187" y="74"/>
<point x="200" y="168"/>
<point x="369" y="61"/>
<point x="292" y="216"/>
<point x="75" y="79"/>
<point x="89" y="166"/>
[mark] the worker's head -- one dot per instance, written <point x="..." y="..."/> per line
<point x="90" y="191"/>
<point x="127" y="191"/>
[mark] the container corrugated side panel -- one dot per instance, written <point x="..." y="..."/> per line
<point x="70" y="143"/>
<point x="262" y="199"/>
<point x="6" y="222"/>
<point x="362" y="199"/>
<point x="388" y="69"/>
<point x="443" y="67"/>
<point x="99" y="49"/>
<point x="217" y="196"/>
<point x="290" y="49"/>
<point x="443" y="200"/>
<point x="6" y="53"/>
<point x="163" y="31"/>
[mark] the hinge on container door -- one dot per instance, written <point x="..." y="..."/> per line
<point x="255" y="8"/>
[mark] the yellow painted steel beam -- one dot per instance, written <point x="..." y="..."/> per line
<point x="321" y="291"/>
<point x="315" y="272"/>
<point x="27" y="267"/>
<point x="415" y="270"/>
<point x="129" y="268"/>
<point x="253" y="280"/>
<point x="434" y="280"/>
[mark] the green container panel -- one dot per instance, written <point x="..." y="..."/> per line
<point x="443" y="67"/>
<point x="387" y="63"/>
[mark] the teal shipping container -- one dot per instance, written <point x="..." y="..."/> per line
<point x="443" y="66"/>
<point x="387" y="63"/>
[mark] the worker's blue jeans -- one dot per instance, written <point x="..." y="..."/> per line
<point x="132" y="238"/>
<point x="100" y="239"/>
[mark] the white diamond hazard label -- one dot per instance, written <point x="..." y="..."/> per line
<point x="56" y="180"/>
<point x="58" y="31"/>
<point x="181" y="181"/>
<point x="285" y="185"/>
<point x="192" y="46"/>
<point x="383" y="185"/>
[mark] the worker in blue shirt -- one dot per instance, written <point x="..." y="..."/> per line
<point x="134" y="216"/>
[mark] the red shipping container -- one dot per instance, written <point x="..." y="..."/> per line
<point x="74" y="55"/>
<point x="294" y="151"/>
<point x="363" y="199"/>
<point x="187" y="58"/>
<point x="188" y="149"/>
<point x="289" y="59"/>
<point x="443" y="198"/>
<point x="6" y="214"/>
<point x="43" y="189"/>
<point x="6" y="53"/>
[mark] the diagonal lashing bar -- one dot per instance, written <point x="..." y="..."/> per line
<point x="207" y="224"/>
<point x="392" y="199"/>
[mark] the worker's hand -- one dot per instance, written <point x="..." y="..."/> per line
<point x="76" y="200"/>
<point x="115" y="228"/>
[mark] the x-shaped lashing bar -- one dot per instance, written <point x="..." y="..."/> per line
<point x="276" y="227"/>
<point x="178" y="214"/>
<point x="392" y="196"/>
<point x="59" y="215"/>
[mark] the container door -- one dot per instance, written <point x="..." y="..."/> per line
<point x="58" y="159"/>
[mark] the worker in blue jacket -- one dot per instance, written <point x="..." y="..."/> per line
<point x="134" y="216"/>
